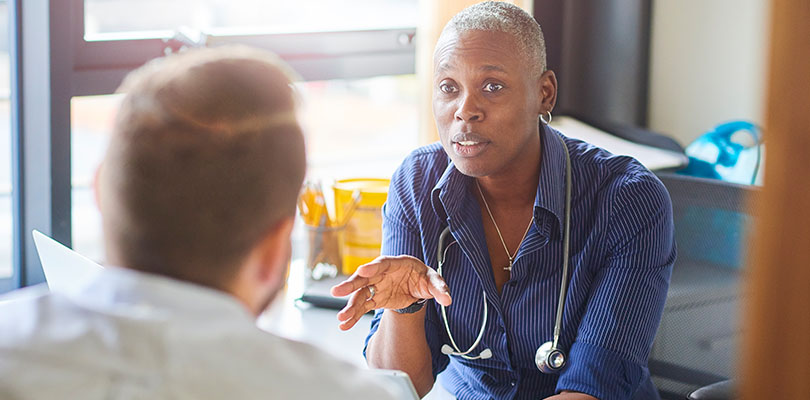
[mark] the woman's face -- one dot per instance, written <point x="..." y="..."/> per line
<point x="486" y="102"/>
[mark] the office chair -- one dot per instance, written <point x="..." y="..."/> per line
<point x="699" y="331"/>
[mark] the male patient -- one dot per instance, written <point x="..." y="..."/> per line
<point x="197" y="194"/>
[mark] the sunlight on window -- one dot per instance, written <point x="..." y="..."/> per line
<point x="106" y="17"/>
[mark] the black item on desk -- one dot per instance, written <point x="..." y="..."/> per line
<point x="326" y="302"/>
<point x="321" y="301"/>
<point x="318" y="292"/>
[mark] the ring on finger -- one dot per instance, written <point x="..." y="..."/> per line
<point x="371" y="292"/>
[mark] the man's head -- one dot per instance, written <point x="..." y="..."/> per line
<point x="204" y="167"/>
<point x="490" y="87"/>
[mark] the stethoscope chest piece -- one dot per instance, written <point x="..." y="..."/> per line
<point x="549" y="359"/>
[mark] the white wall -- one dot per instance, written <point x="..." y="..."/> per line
<point x="707" y="64"/>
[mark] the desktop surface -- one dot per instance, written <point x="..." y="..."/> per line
<point x="293" y="319"/>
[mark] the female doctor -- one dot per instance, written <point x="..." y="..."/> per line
<point x="520" y="263"/>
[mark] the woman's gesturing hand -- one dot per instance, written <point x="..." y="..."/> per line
<point x="388" y="282"/>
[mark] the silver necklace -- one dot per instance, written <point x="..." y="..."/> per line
<point x="511" y="256"/>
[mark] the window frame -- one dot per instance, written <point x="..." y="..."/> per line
<point x="100" y="66"/>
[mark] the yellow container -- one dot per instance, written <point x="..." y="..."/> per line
<point x="360" y="200"/>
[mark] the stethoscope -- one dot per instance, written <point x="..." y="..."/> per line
<point x="549" y="358"/>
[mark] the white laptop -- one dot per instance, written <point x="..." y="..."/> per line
<point x="64" y="268"/>
<point x="398" y="382"/>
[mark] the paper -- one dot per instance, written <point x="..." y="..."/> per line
<point x="65" y="270"/>
<point x="651" y="157"/>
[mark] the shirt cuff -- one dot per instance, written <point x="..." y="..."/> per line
<point x="599" y="372"/>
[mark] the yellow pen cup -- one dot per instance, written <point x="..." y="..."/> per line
<point x="362" y="221"/>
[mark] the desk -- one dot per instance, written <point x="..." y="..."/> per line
<point x="319" y="327"/>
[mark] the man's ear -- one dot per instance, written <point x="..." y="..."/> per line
<point x="274" y="250"/>
<point x="548" y="92"/>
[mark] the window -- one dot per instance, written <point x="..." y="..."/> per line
<point x="5" y="152"/>
<point x="356" y="57"/>
<point x="359" y="127"/>
<point x="91" y="123"/>
<point x="112" y="19"/>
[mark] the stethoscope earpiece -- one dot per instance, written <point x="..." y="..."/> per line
<point x="549" y="359"/>
<point x="483" y="355"/>
<point x="486" y="353"/>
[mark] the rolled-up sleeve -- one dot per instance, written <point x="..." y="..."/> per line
<point x="609" y="356"/>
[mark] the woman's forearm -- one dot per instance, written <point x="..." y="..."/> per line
<point x="400" y="343"/>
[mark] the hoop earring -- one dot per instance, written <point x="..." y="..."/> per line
<point x="549" y="118"/>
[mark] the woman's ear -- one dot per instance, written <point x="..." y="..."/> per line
<point x="548" y="91"/>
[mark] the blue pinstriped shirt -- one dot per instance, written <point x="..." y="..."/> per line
<point x="622" y="251"/>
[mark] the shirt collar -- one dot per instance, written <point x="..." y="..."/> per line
<point x="137" y="292"/>
<point x="550" y="189"/>
<point x="445" y="196"/>
<point x="551" y="186"/>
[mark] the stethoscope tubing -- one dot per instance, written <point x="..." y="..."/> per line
<point x="442" y="253"/>
<point x="440" y="258"/>
<point x="566" y="248"/>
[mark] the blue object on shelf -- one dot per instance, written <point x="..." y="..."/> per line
<point x="715" y="156"/>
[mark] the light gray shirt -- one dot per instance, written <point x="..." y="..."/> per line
<point x="130" y="335"/>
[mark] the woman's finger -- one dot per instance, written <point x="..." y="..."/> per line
<point x="349" y="285"/>
<point x="438" y="289"/>
<point x="374" y="268"/>
<point x="354" y="302"/>
<point x="360" y="303"/>
<point x="385" y="264"/>
<point x="366" y="274"/>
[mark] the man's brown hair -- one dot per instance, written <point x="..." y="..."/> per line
<point x="206" y="158"/>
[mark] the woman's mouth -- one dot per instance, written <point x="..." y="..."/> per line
<point x="469" y="148"/>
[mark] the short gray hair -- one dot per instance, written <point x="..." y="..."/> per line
<point x="499" y="16"/>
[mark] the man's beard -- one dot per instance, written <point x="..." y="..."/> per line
<point x="280" y="281"/>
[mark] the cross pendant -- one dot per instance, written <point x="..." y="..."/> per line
<point x="508" y="267"/>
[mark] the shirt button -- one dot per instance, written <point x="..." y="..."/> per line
<point x="512" y="383"/>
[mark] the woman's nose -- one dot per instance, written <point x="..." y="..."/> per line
<point x="469" y="109"/>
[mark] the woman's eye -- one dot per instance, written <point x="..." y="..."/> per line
<point x="492" y="87"/>
<point x="446" y="88"/>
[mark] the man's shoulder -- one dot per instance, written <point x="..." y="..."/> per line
<point x="51" y="335"/>
<point x="301" y="370"/>
<point x="21" y="311"/>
